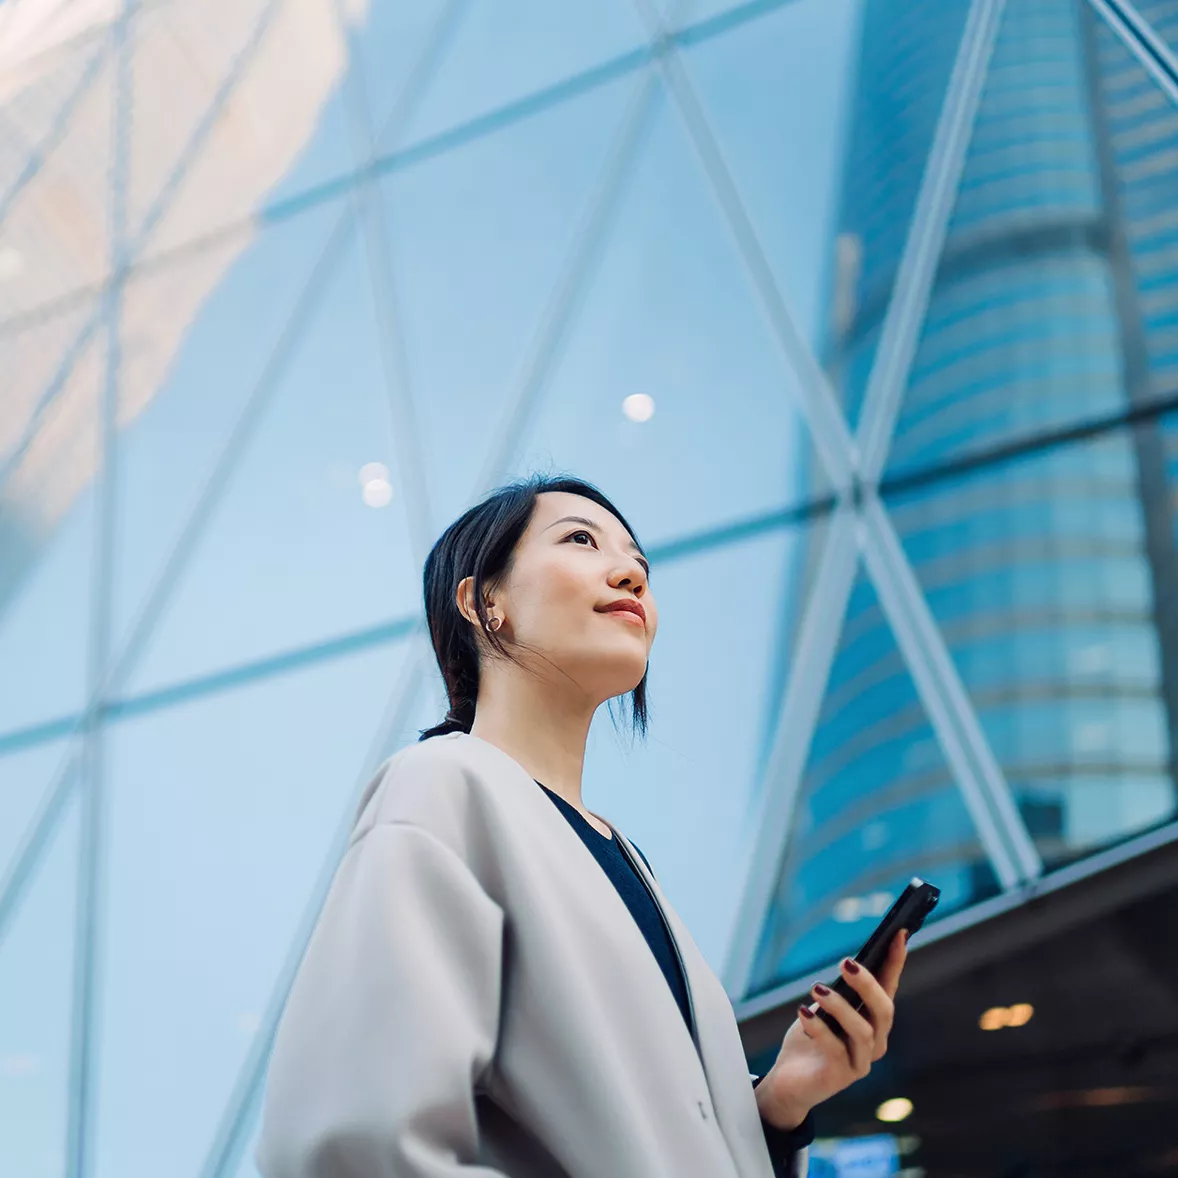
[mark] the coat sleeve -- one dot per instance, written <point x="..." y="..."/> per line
<point x="391" y="1021"/>
<point x="788" y="1148"/>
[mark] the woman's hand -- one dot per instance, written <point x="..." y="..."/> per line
<point x="814" y="1063"/>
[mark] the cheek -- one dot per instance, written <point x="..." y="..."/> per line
<point x="559" y="598"/>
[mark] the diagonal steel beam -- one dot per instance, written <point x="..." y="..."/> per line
<point x="984" y="786"/>
<point x="927" y="231"/>
<point x="89" y="909"/>
<point x="1143" y="41"/>
<point x="984" y="789"/>
<point x="797" y="721"/>
<point x="814" y="395"/>
<point x="41" y="151"/>
<point x="409" y="469"/>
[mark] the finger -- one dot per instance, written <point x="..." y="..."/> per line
<point x="879" y="1007"/>
<point x="814" y="1028"/>
<point x="893" y="966"/>
<point x="860" y="1039"/>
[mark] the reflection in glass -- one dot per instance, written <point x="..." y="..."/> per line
<point x="1056" y="596"/>
<point x="877" y="805"/>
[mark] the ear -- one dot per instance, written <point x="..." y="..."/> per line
<point x="464" y="599"/>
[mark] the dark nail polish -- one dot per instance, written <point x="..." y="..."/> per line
<point x="821" y="990"/>
<point x="850" y="965"/>
<point x="805" y="1012"/>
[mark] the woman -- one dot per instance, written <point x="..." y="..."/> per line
<point x="496" y="985"/>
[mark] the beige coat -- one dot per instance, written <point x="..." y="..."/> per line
<point x="476" y="1000"/>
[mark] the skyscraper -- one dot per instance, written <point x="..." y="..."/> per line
<point x="1053" y="577"/>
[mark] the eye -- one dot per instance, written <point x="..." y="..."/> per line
<point x="572" y="535"/>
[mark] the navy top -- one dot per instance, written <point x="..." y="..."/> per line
<point x="783" y="1144"/>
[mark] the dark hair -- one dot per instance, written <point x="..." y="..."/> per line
<point x="481" y="544"/>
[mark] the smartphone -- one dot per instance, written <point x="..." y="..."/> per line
<point x="913" y="904"/>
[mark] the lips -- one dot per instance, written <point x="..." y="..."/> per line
<point x="631" y="607"/>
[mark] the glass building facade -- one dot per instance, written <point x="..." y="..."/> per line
<point x="866" y="314"/>
<point x="1052" y="576"/>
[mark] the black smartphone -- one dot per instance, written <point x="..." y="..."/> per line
<point x="913" y="904"/>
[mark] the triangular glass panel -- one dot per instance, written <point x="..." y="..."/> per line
<point x="32" y="777"/>
<point x="780" y="78"/>
<point x="707" y="677"/>
<point x="197" y="336"/>
<point x="47" y="519"/>
<point x="251" y="110"/>
<point x="399" y="49"/>
<point x="510" y="58"/>
<point x="901" y="70"/>
<point x="36" y="991"/>
<point x="223" y="812"/>
<point x="56" y="101"/>
<point x="481" y="241"/>
<point x="307" y="542"/>
<point x="671" y="383"/>
<point x="1056" y="300"/>
<point x="876" y="805"/>
<point x="1052" y="589"/>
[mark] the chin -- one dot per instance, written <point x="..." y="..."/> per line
<point x="623" y="681"/>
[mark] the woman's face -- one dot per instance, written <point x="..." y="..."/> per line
<point x="574" y="561"/>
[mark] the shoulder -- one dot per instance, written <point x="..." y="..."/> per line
<point x="437" y="784"/>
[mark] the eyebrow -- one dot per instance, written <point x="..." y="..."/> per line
<point x="580" y="519"/>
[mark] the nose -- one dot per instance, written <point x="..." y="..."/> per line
<point x="630" y="576"/>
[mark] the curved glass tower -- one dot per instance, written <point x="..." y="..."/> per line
<point x="1052" y="578"/>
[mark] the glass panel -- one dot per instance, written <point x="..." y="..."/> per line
<point x="235" y="101"/>
<point x="27" y="776"/>
<point x="671" y="366"/>
<point x="1021" y="329"/>
<point x="1137" y="129"/>
<point x="47" y="529"/>
<point x="900" y="79"/>
<point x="1057" y="299"/>
<point x="219" y="824"/>
<point x="1051" y="578"/>
<point x="710" y="669"/>
<point x="512" y="49"/>
<point x="308" y="540"/>
<point x="389" y="42"/>
<point x="36" y="990"/>
<point x="781" y="79"/>
<point x="877" y="805"/>
<point x="480" y="242"/>
<point x="198" y="337"/>
<point x="56" y="102"/>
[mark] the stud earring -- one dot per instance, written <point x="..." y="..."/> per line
<point x="494" y="622"/>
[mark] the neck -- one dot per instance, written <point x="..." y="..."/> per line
<point x="542" y="728"/>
